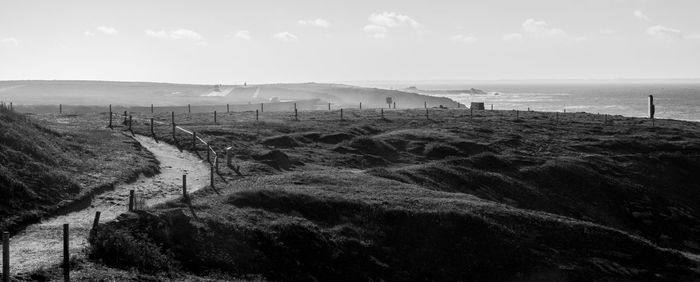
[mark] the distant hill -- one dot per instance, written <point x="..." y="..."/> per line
<point x="414" y="89"/>
<point x="33" y="93"/>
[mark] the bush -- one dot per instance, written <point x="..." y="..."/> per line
<point x="122" y="249"/>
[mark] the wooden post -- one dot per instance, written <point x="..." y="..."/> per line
<point x="208" y="153"/>
<point x="360" y="105"/>
<point x="124" y="116"/>
<point x="425" y="104"/>
<point x="184" y="186"/>
<point x="172" y="118"/>
<point x="131" y="200"/>
<point x="66" y="253"/>
<point x="256" y="115"/>
<point x="194" y="141"/>
<point x="151" y="108"/>
<point x="227" y="109"/>
<point x="426" y="113"/>
<point x="329" y="106"/>
<point x="5" y="256"/>
<point x="211" y="175"/>
<point x="214" y="116"/>
<point x="228" y="156"/>
<point x="262" y="107"/>
<point x="652" y="109"/>
<point x="528" y="109"/>
<point x="492" y="107"/>
<point x="189" y="109"/>
<point x="295" y="106"/>
<point x="341" y="113"/>
<point x="394" y="105"/>
<point x="60" y="108"/>
<point x="130" y="119"/>
<point x="96" y="221"/>
<point x="382" y="109"/>
<point x="110" y="116"/>
<point x="296" y="114"/>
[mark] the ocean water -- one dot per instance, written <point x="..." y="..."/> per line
<point x="673" y="100"/>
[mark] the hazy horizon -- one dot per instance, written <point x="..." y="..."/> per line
<point x="330" y="41"/>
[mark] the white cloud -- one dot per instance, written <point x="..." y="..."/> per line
<point x="88" y="33"/>
<point x="693" y="36"/>
<point x="380" y="23"/>
<point x="317" y="23"/>
<point x="607" y="31"/>
<point x="664" y="33"/>
<point x="285" y="36"/>
<point x="243" y="34"/>
<point x="185" y="34"/>
<point x="512" y="37"/>
<point x="107" y="30"/>
<point x="181" y="33"/>
<point x="10" y="40"/>
<point x="464" y="38"/>
<point x="541" y="28"/>
<point x="640" y="16"/>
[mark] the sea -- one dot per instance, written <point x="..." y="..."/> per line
<point x="672" y="99"/>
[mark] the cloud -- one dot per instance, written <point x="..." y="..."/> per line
<point x="640" y="16"/>
<point x="10" y="40"/>
<point x="243" y="34"/>
<point x="693" y="36"/>
<point x="381" y="23"/>
<point x="108" y="30"/>
<point x="512" y="37"/>
<point x="664" y="33"/>
<point x="285" y="36"/>
<point x="88" y="33"/>
<point x="541" y="28"/>
<point x="181" y="33"/>
<point x="607" y="31"/>
<point x="464" y="38"/>
<point x="317" y="23"/>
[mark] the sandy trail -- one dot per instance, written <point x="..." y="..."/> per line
<point x="40" y="245"/>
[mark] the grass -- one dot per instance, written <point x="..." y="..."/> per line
<point x="51" y="164"/>
<point x="448" y="198"/>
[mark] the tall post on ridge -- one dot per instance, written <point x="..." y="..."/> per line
<point x="296" y="114"/>
<point x="189" y="109"/>
<point x="124" y="116"/>
<point x="652" y="109"/>
<point x="256" y="115"/>
<point x="426" y="113"/>
<point x="214" y="116"/>
<point x="5" y="256"/>
<point x="295" y="106"/>
<point x="131" y="200"/>
<point x="110" y="116"/>
<point x="341" y="113"/>
<point x="172" y="117"/>
<point x="60" y="109"/>
<point x="211" y="175"/>
<point x="66" y="253"/>
<point x="151" y="108"/>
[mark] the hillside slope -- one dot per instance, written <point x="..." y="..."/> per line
<point x="47" y="168"/>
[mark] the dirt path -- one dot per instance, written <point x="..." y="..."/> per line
<point x="40" y="245"/>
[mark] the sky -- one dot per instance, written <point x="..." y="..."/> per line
<point x="211" y="42"/>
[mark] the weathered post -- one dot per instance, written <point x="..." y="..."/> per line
<point x="125" y="116"/>
<point x="256" y="115"/>
<point x="492" y="107"/>
<point x="295" y="106"/>
<point x="130" y="120"/>
<point x="60" y="108"/>
<point x="341" y="113"/>
<point x="227" y="109"/>
<point x="652" y="109"/>
<point x="528" y="109"/>
<point x="228" y="156"/>
<point x="329" y="106"/>
<point x="151" y="108"/>
<point x="184" y="185"/>
<point x="360" y="105"/>
<point x="394" y="105"/>
<point x="131" y="200"/>
<point x="110" y="116"/>
<point x="189" y="109"/>
<point x="66" y="253"/>
<point x="296" y="114"/>
<point x="194" y="141"/>
<point x="262" y="107"/>
<point x="425" y="104"/>
<point x="96" y="221"/>
<point x="5" y="256"/>
<point x="211" y="176"/>
<point x="172" y="118"/>
<point x="215" y="117"/>
<point x="382" y="109"/>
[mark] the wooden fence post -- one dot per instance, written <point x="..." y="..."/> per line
<point x="256" y="115"/>
<point x="151" y="108"/>
<point x="425" y="104"/>
<point x="60" y="108"/>
<point x="5" y="256"/>
<point x="194" y="141"/>
<point x="131" y="200"/>
<point x="228" y="156"/>
<point x="215" y="117"/>
<point x="184" y="186"/>
<point x="66" y="253"/>
<point x="227" y="109"/>
<point x="211" y="175"/>
<point x="208" y="153"/>
<point x="492" y="107"/>
<point x="96" y="221"/>
<point x="189" y="110"/>
<point x="110" y="116"/>
<point x="360" y="105"/>
<point x="295" y="106"/>
<point x="426" y="113"/>
<point x="296" y="114"/>
<point x="382" y="109"/>
<point x="341" y="113"/>
<point x="130" y="120"/>
<point x="262" y="107"/>
<point x="329" y="106"/>
<point x="394" y="105"/>
<point x="124" y="117"/>
<point x="172" y="118"/>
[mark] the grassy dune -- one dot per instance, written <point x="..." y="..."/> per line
<point x="451" y="197"/>
<point x="54" y="164"/>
